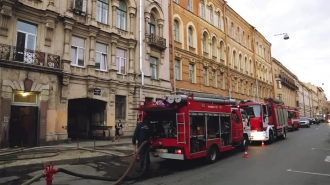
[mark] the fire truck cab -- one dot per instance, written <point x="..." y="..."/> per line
<point x="246" y="123"/>
<point x="293" y="118"/>
<point x="194" y="125"/>
<point x="268" y="119"/>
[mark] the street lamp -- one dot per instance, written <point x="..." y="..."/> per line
<point x="285" y="37"/>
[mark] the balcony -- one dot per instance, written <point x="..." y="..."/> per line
<point x="156" y="41"/>
<point x="286" y="81"/>
<point x="32" y="58"/>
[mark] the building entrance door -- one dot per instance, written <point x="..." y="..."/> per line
<point x="23" y="127"/>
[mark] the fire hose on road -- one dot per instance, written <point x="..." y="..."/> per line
<point x="50" y="171"/>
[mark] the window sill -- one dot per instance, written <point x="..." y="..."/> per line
<point x="122" y="74"/>
<point x="73" y="65"/>
<point x="119" y="29"/>
<point x="103" y="70"/>
<point x="103" y="23"/>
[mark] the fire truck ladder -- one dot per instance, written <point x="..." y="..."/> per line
<point x="184" y="129"/>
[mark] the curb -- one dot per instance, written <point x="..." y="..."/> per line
<point x="40" y="166"/>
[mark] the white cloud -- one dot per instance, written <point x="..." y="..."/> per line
<point x="307" y="52"/>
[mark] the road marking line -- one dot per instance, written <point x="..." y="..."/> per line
<point x="311" y="173"/>
<point x="327" y="159"/>
<point x="319" y="149"/>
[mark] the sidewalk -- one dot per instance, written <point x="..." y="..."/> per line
<point x="63" y="154"/>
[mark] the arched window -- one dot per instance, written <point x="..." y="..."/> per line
<point x="190" y="37"/>
<point x="121" y="15"/>
<point x="219" y="20"/>
<point x="152" y="25"/>
<point x="176" y="30"/>
<point x="202" y="6"/>
<point x="233" y="59"/>
<point x="190" y="5"/>
<point x="214" y="44"/>
<point x="211" y="14"/>
<point x="246" y="66"/>
<point x="238" y="35"/>
<point x="221" y="51"/>
<point x="204" y="42"/>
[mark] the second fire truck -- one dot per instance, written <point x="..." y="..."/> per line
<point x="268" y="119"/>
<point x="293" y="118"/>
<point x="194" y="125"/>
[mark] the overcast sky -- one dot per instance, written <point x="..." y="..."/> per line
<point x="307" y="52"/>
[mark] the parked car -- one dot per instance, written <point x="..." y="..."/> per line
<point x="304" y="122"/>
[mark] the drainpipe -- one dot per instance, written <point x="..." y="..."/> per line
<point x="172" y="39"/>
<point x="140" y="53"/>
<point x="255" y="64"/>
<point x="226" y="48"/>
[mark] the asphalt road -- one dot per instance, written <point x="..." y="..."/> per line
<point x="301" y="159"/>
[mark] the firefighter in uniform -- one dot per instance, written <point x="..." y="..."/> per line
<point x="141" y="134"/>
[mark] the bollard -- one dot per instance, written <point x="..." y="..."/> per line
<point x="49" y="171"/>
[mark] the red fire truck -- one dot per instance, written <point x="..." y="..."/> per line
<point x="268" y="119"/>
<point x="293" y="118"/>
<point x="194" y="125"/>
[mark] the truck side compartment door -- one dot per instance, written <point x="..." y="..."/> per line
<point x="265" y="115"/>
<point x="237" y="125"/>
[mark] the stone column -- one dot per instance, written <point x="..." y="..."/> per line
<point x="69" y="5"/>
<point x="66" y="60"/>
<point x="50" y="25"/>
<point x="115" y="5"/>
<point x="93" y="10"/>
<point x="5" y="109"/>
<point x="113" y="54"/>
<point x="91" y="61"/>
<point x="111" y="108"/>
<point x="131" y="57"/>
<point x="131" y="23"/>
<point x="6" y="13"/>
<point x="160" y="27"/>
<point x="146" y="20"/>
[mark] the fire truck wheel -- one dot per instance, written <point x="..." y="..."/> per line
<point x="212" y="154"/>
<point x="245" y="143"/>
<point x="271" y="137"/>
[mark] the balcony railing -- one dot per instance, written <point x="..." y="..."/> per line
<point x="156" y="41"/>
<point x="28" y="56"/>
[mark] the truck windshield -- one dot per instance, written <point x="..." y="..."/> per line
<point x="291" y="115"/>
<point x="162" y="123"/>
<point x="253" y="111"/>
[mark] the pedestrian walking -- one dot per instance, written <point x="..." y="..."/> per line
<point x="119" y="131"/>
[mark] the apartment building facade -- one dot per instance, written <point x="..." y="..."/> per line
<point x="307" y="101"/>
<point x="72" y="68"/>
<point x="322" y="101"/>
<point x="217" y="51"/>
<point x="285" y="87"/>
<point x="314" y="98"/>
<point x="301" y="102"/>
